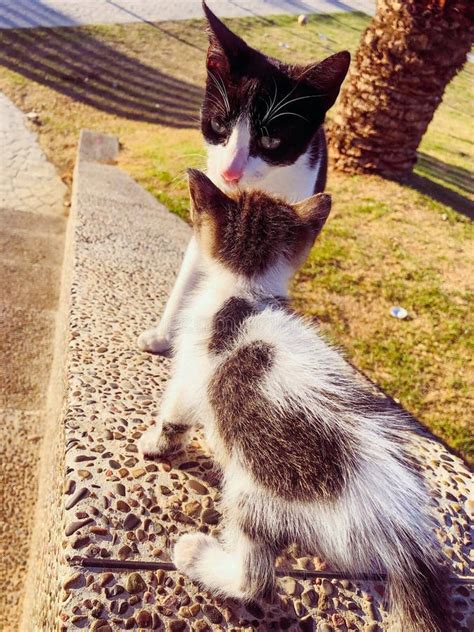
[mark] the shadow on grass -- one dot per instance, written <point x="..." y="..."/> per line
<point x="87" y="70"/>
<point x="429" y="168"/>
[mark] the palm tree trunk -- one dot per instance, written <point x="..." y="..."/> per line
<point x="406" y="58"/>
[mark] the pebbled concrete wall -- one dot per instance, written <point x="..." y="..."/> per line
<point x="104" y="512"/>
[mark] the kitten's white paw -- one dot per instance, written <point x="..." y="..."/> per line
<point x="149" y="442"/>
<point x="153" y="341"/>
<point x="189" y="549"/>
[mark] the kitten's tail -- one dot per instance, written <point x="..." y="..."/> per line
<point x="417" y="590"/>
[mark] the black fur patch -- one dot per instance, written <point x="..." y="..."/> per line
<point x="319" y="154"/>
<point x="255" y="84"/>
<point x="228" y="322"/>
<point x="252" y="233"/>
<point x="289" y="453"/>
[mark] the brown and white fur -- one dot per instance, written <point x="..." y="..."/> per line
<point x="262" y="122"/>
<point x="308" y="453"/>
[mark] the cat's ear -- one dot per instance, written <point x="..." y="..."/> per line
<point x="327" y="76"/>
<point x="314" y="210"/>
<point x="205" y="196"/>
<point x="226" y="49"/>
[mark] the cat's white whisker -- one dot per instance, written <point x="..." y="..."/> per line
<point x="309" y="96"/>
<point x="221" y="88"/>
<point x="288" y="114"/>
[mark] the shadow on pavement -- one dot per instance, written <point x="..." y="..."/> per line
<point x="87" y="70"/>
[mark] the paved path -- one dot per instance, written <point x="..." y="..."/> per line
<point x="32" y="13"/>
<point x="31" y="247"/>
<point x="27" y="180"/>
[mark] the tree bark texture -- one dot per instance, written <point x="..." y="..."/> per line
<point x="407" y="56"/>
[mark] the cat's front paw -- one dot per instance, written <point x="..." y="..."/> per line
<point x="153" y="341"/>
<point x="149" y="443"/>
<point x="189" y="550"/>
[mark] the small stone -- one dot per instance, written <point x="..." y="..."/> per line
<point x="120" y="489"/>
<point x="136" y="473"/>
<point x="130" y="623"/>
<point x="80" y="542"/>
<point x="124" y="552"/>
<point x="76" y="525"/>
<point x="302" y="19"/>
<point x="144" y="619"/>
<point x="135" y="583"/>
<point x="192" y="508"/>
<point x="290" y="585"/>
<point x="177" y="626"/>
<point x="79" y="495"/>
<point x="179" y="516"/>
<point x="131" y="522"/>
<point x="106" y="579"/>
<point x="327" y="587"/>
<point x="373" y="627"/>
<point x="309" y="598"/>
<point x="123" y="506"/>
<point x="99" y="530"/>
<point x="84" y="474"/>
<point x="298" y="608"/>
<point x="198" y="487"/>
<point x="210" y="516"/>
<point x="69" y="486"/>
<point x="325" y="627"/>
<point x="74" y="581"/>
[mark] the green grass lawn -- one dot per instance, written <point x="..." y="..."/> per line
<point x="385" y="243"/>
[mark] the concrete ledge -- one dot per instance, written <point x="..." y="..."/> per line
<point x="101" y="504"/>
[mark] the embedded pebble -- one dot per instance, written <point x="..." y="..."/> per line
<point x="74" y="581"/>
<point x="131" y="522"/>
<point x="76" y="525"/>
<point x="198" y="487"/>
<point x="210" y="516"/>
<point x="135" y="583"/>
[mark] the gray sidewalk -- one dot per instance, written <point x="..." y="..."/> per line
<point x="33" y="13"/>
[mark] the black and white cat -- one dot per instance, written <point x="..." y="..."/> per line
<point x="262" y="125"/>
<point x="308" y="453"/>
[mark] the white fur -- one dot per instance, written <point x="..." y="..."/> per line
<point x="293" y="182"/>
<point x="358" y="531"/>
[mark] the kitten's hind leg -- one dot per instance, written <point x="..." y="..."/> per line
<point x="236" y="567"/>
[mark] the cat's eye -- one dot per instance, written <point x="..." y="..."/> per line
<point x="218" y="126"/>
<point x="269" y="142"/>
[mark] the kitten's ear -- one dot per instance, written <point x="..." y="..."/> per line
<point x="226" y="49"/>
<point x="314" y="210"/>
<point x="328" y="75"/>
<point x="205" y="196"/>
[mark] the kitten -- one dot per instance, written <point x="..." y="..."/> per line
<point x="308" y="453"/>
<point x="262" y="125"/>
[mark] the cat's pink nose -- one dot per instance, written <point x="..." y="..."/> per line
<point x="232" y="175"/>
